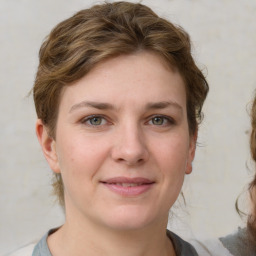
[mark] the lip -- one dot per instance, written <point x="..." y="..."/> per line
<point x="125" y="186"/>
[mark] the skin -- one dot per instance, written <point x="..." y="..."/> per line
<point x="126" y="118"/>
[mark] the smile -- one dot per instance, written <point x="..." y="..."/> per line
<point x="129" y="187"/>
<point x="129" y="184"/>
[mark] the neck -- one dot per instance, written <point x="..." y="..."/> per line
<point x="90" y="239"/>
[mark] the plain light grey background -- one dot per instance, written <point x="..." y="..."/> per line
<point x="223" y="33"/>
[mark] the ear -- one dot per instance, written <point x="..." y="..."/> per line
<point x="48" y="145"/>
<point x="191" y="152"/>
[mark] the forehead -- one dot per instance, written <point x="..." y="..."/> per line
<point x="136" y="77"/>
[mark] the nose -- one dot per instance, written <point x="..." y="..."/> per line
<point x="130" y="146"/>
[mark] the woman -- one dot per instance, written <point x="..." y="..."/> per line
<point x="118" y="98"/>
<point x="243" y="241"/>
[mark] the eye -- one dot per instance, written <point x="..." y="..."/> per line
<point x="94" y="121"/>
<point x="161" y="121"/>
<point x="158" y="120"/>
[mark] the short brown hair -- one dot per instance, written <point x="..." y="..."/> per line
<point x="92" y="35"/>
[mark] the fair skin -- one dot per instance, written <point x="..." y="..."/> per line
<point x="122" y="147"/>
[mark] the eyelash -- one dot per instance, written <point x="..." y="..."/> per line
<point x="90" y="118"/>
<point x="166" y="120"/>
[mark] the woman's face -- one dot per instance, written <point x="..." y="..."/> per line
<point x="122" y="142"/>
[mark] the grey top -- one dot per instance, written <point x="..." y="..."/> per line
<point x="238" y="243"/>
<point x="41" y="248"/>
<point x="181" y="247"/>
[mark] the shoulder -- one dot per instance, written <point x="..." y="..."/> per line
<point x="41" y="248"/>
<point x="182" y="248"/>
<point x="238" y="243"/>
<point x="24" y="251"/>
<point x="235" y="244"/>
<point x="35" y="249"/>
<point x="211" y="247"/>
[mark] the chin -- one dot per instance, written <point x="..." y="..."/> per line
<point x="130" y="218"/>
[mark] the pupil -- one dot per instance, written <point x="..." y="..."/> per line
<point x="96" y="120"/>
<point x="158" y="120"/>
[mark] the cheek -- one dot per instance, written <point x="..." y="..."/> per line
<point x="172" y="155"/>
<point x="172" y="162"/>
<point x="81" y="157"/>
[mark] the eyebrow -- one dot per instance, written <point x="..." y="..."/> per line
<point x="163" y="104"/>
<point x="92" y="104"/>
<point x="107" y="106"/>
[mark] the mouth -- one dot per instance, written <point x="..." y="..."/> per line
<point x="128" y="186"/>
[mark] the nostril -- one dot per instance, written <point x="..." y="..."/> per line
<point x="135" y="162"/>
<point x="130" y="162"/>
